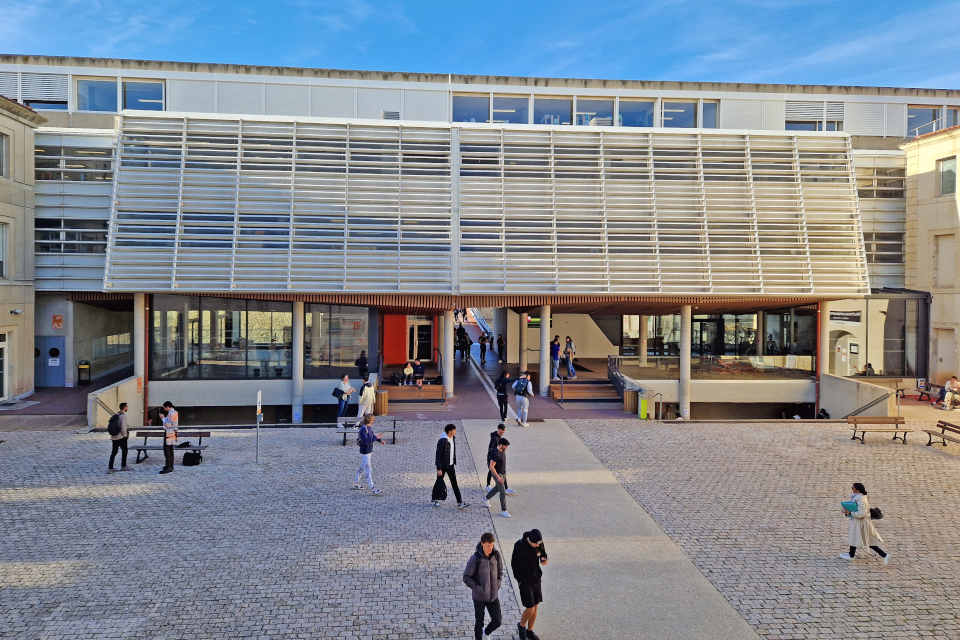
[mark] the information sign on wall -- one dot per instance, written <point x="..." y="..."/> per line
<point x="845" y="317"/>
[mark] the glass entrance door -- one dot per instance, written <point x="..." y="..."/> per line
<point x="707" y="333"/>
<point x="420" y="338"/>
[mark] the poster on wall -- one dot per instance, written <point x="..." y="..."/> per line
<point x="57" y="321"/>
<point x="845" y="317"/>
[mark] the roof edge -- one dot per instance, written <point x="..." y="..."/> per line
<point x="21" y="110"/>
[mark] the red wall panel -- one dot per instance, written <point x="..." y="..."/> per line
<point x="394" y="338"/>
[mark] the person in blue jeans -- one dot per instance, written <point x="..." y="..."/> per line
<point x="570" y="350"/>
<point x="555" y="356"/>
<point x="365" y="439"/>
<point x="523" y="392"/>
<point x="343" y="391"/>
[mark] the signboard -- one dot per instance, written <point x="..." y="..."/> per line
<point x="854" y="348"/>
<point x="53" y="362"/>
<point x="845" y="317"/>
<point x="57" y="321"/>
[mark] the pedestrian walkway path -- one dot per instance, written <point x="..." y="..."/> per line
<point x="612" y="571"/>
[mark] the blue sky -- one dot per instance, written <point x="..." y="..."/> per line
<point x="914" y="44"/>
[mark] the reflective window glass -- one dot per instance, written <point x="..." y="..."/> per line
<point x="334" y="336"/>
<point x="595" y="112"/>
<point x="49" y="105"/>
<point x="471" y="109"/>
<point x="270" y="344"/>
<point x="146" y="96"/>
<point x="552" y="110"/>
<point x="710" y="115"/>
<point x="801" y="125"/>
<point x="636" y="113"/>
<point x="97" y="95"/>
<point x="921" y="120"/>
<point x="947" y="168"/>
<point x="511" y="109"/>
<point x="952" y="117"/>
<point x="680" y="114"/>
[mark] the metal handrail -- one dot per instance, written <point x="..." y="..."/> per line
<point x="870" y="404"/>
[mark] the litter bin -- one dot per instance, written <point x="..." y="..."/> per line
<point x="630" y="399"/>
<point x="83" y="372"/>
<point x="381" y="403"/>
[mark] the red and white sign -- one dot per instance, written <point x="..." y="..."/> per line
<point x="57" y="321"/>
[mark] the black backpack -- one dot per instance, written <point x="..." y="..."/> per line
<point x="521" y="387"/>
<point x="113" y="426"/>
<point x="192" y="458"/>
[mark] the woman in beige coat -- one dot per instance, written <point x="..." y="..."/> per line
<point x="367" y="398"/>
<point x="861" y="532"/>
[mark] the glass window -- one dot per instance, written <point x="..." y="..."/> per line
<point x="334" y="336"/>
<point x="270" y="335"/>
<point x="552" y="110"/>
<point x="710" y="114"/>
<point x="4" y="156"/>
<point x="884" y="248"/>
<point x="952" y="117"/>
<point x="49" y="105"/>
<point x="471" y="109"/>
<point x="636" y="113"/>
<point x="680" y="114"/>
<point x="512" y="109"/>
<point x="97" y="95"/>
<point x="595" y="112"/>
<point x="59" y="236"/>
<point x="947" y="169"/>
<point x="143" y="95"/>
<point x="3" y="250"/>
<point x="801" y="125"/>
<point x="921" y="120"/>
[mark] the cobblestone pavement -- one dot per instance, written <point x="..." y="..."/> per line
<point x="229" y="550"/>
<point x="755" y="507"/>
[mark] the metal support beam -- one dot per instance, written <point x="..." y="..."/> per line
<point x="686" y="333"/>
<point x="139" y="331"/>
<point x="545" y="350"/>
<point x="297" y="355"/>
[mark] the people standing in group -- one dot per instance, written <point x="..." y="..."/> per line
<point x="523" y="390"/>
<point x="569" y="351"/>
<point x="118" y="440"/>
<point x="483" y="348"/>
<point x="170" y="420"/>
<point x="408" y="373"/>
<point x="502" y="385"/>
<point x="555" y="356"/>
<point x="495" y="437"/>
<point x="419" y="372"/>
<point x="497" y="464"/>
<point x="368" y="396"/>
<point x="365" y="439"/>
<point x="529" y="555"/>
<point x="446" y="462"/>
<point x="343" y="391"/>
<point x="363" y="367"/>
<point x="483" y="574"/>
<point x="860" y="529"/>
<point x="501" y="347"/>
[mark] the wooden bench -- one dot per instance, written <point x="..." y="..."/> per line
<point x="146" y="435"/>
<point x="345" y="429"/>
<point x="412" y="393"/>
<point x="946" y="429"/>
<point x="928" y="389"/>
<point x="863" y="425"/>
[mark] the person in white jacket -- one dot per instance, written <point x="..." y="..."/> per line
<point x="367" y="398"/>
<point x="861" y="532"/>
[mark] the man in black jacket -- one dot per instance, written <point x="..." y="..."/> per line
<point x="446" y="460"/>
<point x="495" y="437"/>
<point x="503" y="384"/>
<point x="483" y="574"/>
<point x="528" y="556"/>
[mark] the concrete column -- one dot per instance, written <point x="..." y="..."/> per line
<point x="760" y="336"/>
<point x="69" y="358"/>
<point x="545" y="372"/>
<point x="139" y="334"/>
<point x="447" y="352"/>
<point x="642" y="355"/>
<point x="522" y="335"/>
<point x="297" y="364"/>
<point x="686" y="333"/>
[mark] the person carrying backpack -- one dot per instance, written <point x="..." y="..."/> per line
<point x="522" y="390"/>
<point x="117" y="428"/>
<point x="365" y="439"/>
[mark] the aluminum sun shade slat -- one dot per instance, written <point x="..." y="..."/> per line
<point x="331" y="206"/>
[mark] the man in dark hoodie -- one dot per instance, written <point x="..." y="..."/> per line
<point x="483" y="575"/>
<point x="503" y="383"/>
<point x="495" y="437"/>
<point x="528" y="556"/>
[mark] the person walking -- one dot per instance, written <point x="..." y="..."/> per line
<point x="529" y="555"/>
<point x="861" y="532"/>
<point x="483" y="574"/>
<point x="365" y="439"/>
<point x="497" y="464"/>
<point x="569" y="351"/>
<point x="363" y="367"/>
<point x="343" y="392"/>
<point x="502" y="384"/>
<point x="483" y="348"/>
<point x="446" y="462"/>
<point x="495" y="437"/>
<point x="523" y="392"/>
<point x="555" y="356"/>
<point x="169" y="419"/>
<point x="117" y="428"/>
<point x="501" y="347"/>
<point x="368" y="394"/>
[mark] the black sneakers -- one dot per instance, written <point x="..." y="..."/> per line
<point x="521" y="631"/>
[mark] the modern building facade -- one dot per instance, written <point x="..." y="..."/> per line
<point x="270" y="223"/>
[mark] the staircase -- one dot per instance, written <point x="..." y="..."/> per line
<point x="584" y="391"/>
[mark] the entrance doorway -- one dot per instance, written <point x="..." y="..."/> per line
<point x="49" y="365"/>
<point x="420" y="337"/>
<point x="945" y="364"/>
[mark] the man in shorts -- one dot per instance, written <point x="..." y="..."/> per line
<point x="528" y="556"/>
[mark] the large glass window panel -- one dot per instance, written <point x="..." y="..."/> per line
<point x="512" y="109"/>
<point x="947" y="168"/>
<point x="952" y="117"/>
<point x="911" y="339"/>
<point x="146" y="96"/>
<point x="552" y="110"/>
<point x="636" y="113"/>
<point x="595" y="112"/>
<point x="48" y="105"/>
<point x="270" y="344"/>
<point x="4" y="153"/>
<point x="173" y="351"/>
<point x="893" y="338"/>
<point x="921" y="120"/>
<point x="223" y="339"/>
<point x="801" y="125"/>
<point x="334" y="336"/>
<point x="348" y="334"/>
<point x="471" y="109"/>
<point x="97" y="95"/>
<point x="316" y="341"/>
<point x="680" y="114"/>
<point x="710" y="115"/>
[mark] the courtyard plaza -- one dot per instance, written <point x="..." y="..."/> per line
<point x="655" y="530"/>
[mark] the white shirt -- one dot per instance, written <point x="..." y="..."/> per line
<point x="450" y="440"/>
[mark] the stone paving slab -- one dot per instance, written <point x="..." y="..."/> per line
<point x="231" y="550"/>
<point x="755" y="507"/>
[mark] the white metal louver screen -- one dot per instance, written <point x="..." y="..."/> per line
<point x="327" y="206"/>
<point x="44" y="86"/>
<point x="813" y="110"/>
<point x="9" y="84"/>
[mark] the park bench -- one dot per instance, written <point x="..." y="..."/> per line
<point x="346" y="429"/>
<point x="928" y="390"/>
<point x="878" y="424"/>
<point x="181" y="435"/>
<point x="948" y="431"/>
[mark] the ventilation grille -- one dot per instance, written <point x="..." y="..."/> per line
<point x="813" y="110"/>
<point x="44" y="86"/>
<point x="391" y="115"/>
<point x="9" y="84"/>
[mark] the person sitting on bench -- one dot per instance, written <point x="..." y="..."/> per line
<point x="418" y="373"/>
<point x="951" y="392"/>
<point x="408" y="374"/>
